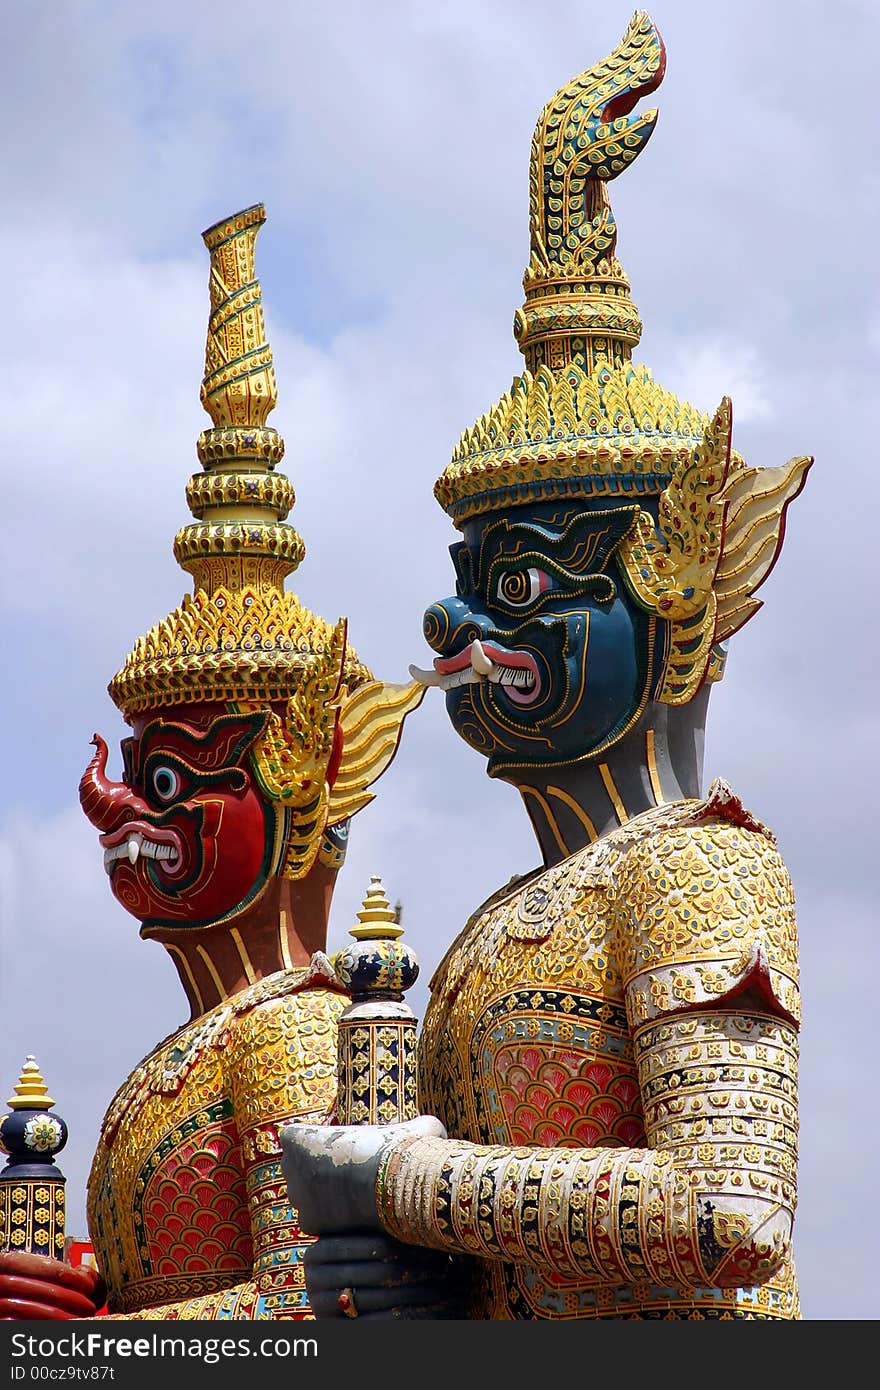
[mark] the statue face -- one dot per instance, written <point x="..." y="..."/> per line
<point x="564" y="659"/>
<point x="187" y="837"/>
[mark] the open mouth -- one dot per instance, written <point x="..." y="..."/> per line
<point x="479" y="662"/>
<point x="137" y="840"/>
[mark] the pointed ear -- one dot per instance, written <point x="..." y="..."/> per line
<point x="673" y="577"/>
<point x="293" y="757"/>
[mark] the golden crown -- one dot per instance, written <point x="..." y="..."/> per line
<point x="240" y="635"/>
<point x="614" y="433"/>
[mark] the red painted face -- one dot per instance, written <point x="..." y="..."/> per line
<point x="188" y="839"/>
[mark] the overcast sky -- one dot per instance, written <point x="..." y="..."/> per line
<point x="390" y="143"/>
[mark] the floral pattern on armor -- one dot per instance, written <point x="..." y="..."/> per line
<point x="703" y="906"/>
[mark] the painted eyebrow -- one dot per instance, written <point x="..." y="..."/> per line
<point x="586" y="535"/>
<point x="204" y="746"/>
<point x="198" y="776"/>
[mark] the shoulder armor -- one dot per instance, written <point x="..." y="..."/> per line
<point x="704" y="911"/>
<point x="280" y="1055"/>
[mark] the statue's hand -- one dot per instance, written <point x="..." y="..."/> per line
<point x="373" y="1276"/>
<point x="35" y="1286"/>
<point x="331" y="1171"/>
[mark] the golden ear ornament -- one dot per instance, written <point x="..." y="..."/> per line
<point x="718" y="532"/>
<point x="371" y="718"/>
<point x="292" y="757"/>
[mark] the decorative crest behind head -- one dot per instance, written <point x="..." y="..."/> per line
<point x="240" y="635"/>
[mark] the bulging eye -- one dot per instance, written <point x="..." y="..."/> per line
<point x="517" y="588"/>
<point x="166" y="783"/>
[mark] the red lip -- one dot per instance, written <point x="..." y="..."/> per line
<point x="516" y="661"/>
<point x="149" y="832"/>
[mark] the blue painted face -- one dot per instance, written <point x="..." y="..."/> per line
<point x="545" y="658"/>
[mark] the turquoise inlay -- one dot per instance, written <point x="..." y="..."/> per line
<point x="283" y="1302"/>
<point x="610" y="485"/>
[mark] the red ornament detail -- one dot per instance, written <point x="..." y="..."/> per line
<point x="194" y="1222"/>
<point x="563" y="1098"/>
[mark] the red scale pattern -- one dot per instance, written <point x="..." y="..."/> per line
<point x="561" y="1098"/>
<point x="195" y="1209"/>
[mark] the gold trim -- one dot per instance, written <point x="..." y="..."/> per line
<point x="187" y="656"/>
<point x="653" y="772"/>
<point x="579" y="811"/>
<point x="551" y="819"/>
<point x="551" y="419"/>
<point x="282" y="938"/>
<point x="31" y="1092"/>
<point x="245" y="958"/>
<point x="619" y="809"/>
<point x="212" y="971"/>
<point x="176" y="951"/>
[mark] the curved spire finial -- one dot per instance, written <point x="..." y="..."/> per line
<point x="577" y="306"/>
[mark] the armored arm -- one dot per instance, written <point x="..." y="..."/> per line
<point x="715" y="1212"/>
<point x="707" y="950"/>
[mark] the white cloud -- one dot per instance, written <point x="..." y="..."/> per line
<point x="702" y="371"/>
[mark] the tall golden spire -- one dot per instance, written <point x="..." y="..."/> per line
<point x="240" y="635"/>
<point x="239" y="501"/>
